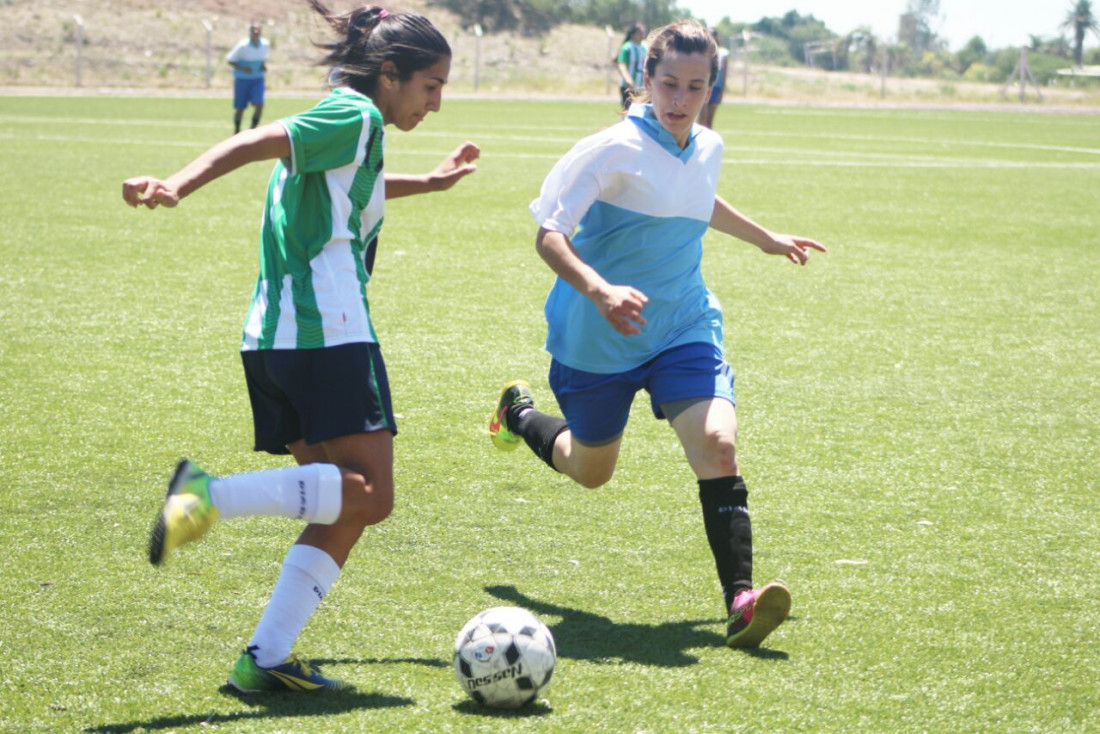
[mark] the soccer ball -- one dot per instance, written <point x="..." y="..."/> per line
<point x="504" y="656"/>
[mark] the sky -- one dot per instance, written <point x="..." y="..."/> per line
<point x="1000" y="23"/>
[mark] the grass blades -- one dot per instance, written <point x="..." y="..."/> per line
<point x="919" y="427"/>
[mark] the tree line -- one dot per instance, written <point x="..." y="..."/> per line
<point x="917" y="50"/>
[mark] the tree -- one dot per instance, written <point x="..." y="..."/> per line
<point x="535" y="17"/>
<point x="1081" y="20"/>
<point x="916" y="25"/>
<point x="501" y="15"/>
<point x="973" y="52"/>
<point x="797" y="30"/>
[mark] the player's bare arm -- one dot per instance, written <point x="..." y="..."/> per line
<point x="621" y="305"/>
<point x="262" y="143"/>
<point x="729" y="221"/>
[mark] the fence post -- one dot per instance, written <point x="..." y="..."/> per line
<point x="477" y="56"/>
<point x="885" y="71"/>
<point x="745" y="37"/>
<point x="609" y="55"/>
<point x="79" y="47"/>
<point x="209" y="29"/>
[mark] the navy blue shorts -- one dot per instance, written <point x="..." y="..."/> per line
<point x="596" y="406"/>
<point x="248" y="92"/>
<point x="317" y="394"/>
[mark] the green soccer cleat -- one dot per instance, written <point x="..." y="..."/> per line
<point x="187" y="513"/>
<point x="291" y="675"/>
<point x="755" y="614"/>
<point x="514" y="393"/>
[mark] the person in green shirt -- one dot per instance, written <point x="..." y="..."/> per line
<point x="630" y="63"/>
<point x="314" y="370"/>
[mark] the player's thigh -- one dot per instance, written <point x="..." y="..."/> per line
<point x="596" y="406"/>
<point x="365" y="461"/>
<point x="590" y="465"/>
<point x="305" y="453"/>
<point x="240" y="94"/>
<point x="256" y="94"/>
<point x="336" y="391"/>
<point x="369" y="454"/>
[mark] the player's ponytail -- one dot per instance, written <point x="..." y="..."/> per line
<point x="369" y="36"/>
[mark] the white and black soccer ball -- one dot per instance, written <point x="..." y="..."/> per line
<point x="504" y="657"/>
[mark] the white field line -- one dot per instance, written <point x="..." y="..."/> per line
<point x="740" y="134"/>
<point x="784" y="156"/>
<point x="968" y="164"/>
<point x="576" y="132"/>
<point x="922" y="141"/>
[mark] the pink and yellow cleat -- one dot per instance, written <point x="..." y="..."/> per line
<point x="755" y="613"/>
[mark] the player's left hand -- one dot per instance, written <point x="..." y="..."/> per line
<point x="458" y="164"/>
<point x="795" y="249"/>
<point x="150" y="191"/>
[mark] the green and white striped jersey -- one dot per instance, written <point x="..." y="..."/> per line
<point x="324" y="208"/>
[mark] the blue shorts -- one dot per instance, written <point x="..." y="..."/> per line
<point x="596" y="406"/>
<point x="248" y="92"/>
<point x="317" y="394"/>
<point x="719" y="88"/>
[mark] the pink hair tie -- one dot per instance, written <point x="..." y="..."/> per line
<point x="383" y="13"/>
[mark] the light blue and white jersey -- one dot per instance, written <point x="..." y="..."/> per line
<point x="251" y="55"/>
<point x="636" y="207"/>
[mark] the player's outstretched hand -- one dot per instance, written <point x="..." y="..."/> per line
<point x="622" y="306"/>
<point x="150" y="191"/>
<point x="795" y="249"/>
<point x="458" y="164"/>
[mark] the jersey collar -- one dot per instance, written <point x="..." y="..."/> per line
<point x="641" y="114"/>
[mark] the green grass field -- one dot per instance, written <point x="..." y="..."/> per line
<point x="920" y="432"/>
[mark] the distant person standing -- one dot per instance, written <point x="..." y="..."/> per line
<point x="249" y="61"/>
<point x="706" y="115"/>
<point x="631" y="62"/>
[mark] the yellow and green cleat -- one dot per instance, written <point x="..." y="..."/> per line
<point x="291" y="675"/>
<point x="187" y="514"/>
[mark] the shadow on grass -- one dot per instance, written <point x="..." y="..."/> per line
<point x="534" y="709"/>
<point x="266" y="706"/>
<point x="581" y="635"/>
<point x="426" y="662"/>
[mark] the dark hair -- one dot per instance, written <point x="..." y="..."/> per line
<point x="371" y="36"/>
<point x="632" y="29"/>
<point x="683" y="37"/>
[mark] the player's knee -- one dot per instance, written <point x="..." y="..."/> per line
<point x="593" y="477"/>
<point x="366" y="502"/>
<point x="722" y="451"/>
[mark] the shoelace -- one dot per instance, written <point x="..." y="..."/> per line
<point x="306" y="670"/>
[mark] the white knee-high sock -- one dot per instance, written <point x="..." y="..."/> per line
<point x="311" y="493"/>
<point x="308" y="573"/>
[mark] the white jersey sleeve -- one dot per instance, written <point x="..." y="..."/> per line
<point x="235" y="52"/>
<point x="572" y="185"/>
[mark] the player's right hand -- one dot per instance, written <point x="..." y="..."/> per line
<point x="150" y="191"/>
<point x="622" y="306"/>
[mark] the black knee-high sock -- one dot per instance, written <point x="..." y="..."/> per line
<point x="255" y="120"/>
<point x="729" y="531"/>
<point x="538" y="430"/>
